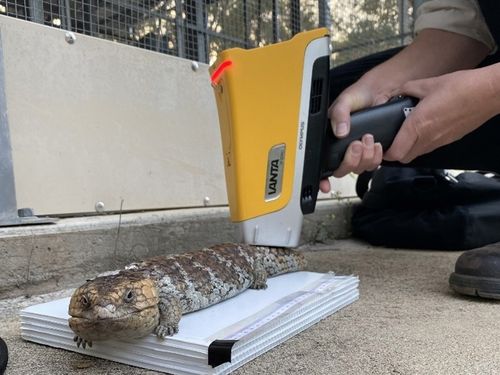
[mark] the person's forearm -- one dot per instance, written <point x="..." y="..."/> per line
<point x="432" y="53"/>
<point x="488" y="101"/>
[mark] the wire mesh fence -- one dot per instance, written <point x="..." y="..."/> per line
<point x="199" y="29"/>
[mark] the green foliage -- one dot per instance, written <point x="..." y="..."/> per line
<point x="359" y="27"/>
<point x="254" y="23"/>
<point x="364" y="26"/>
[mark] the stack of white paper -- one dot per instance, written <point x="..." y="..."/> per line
<point x="216" y="340"/>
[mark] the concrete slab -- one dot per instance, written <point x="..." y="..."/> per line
<point x="406" y="322"/>
<point x="41" y="258"/>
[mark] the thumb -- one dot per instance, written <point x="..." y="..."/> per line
<point x="340" y="111"/>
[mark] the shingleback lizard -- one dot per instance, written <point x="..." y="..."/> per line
<point x="151" y="296"/>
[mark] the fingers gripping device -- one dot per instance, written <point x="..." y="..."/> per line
<point x="276" y="138"/>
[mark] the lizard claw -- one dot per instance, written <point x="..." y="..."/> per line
<point x="169" y="330"/>
<point x="260" y="286"/>
<point x="80" y="341"/>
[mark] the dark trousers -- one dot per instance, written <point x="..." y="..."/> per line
<point x="479" y="149"/>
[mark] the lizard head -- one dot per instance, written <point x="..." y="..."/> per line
<point x="115" y="306"/>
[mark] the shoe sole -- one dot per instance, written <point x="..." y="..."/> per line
<point x="485" y="287"/>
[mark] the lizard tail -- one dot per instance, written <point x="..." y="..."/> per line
<point x="278" y="260"/>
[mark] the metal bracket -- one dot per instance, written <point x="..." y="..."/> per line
<point x="9" y="214"/>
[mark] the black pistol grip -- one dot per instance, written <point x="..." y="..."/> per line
<point x="382" y="121"/>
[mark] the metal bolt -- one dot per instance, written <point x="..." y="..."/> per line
<point x="99" y="207"/>
<point x="70" y="37"/>
<point x="195" y="66"/>
<point x="206" y="201"/>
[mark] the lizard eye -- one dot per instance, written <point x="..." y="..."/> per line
<point x="85" y="301"/>
<point x="129" y="296"/>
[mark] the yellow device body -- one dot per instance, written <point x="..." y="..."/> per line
<point x="258" y="96"/>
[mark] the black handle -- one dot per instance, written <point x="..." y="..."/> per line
<point x="383" y="122"/>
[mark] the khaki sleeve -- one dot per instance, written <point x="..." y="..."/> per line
<point x="459" y="16"/>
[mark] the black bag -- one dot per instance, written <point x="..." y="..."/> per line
<point x="428" y="209"/>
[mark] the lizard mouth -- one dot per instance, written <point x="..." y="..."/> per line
<point x="114" y="318"/>
<point x="132" y="325"/>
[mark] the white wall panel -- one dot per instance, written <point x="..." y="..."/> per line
<point x="100" y="121"/>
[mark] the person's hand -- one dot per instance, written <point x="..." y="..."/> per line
<point x="418" y="60"/>
<point x="365" y="154"/>
<point x="451" y="106"/>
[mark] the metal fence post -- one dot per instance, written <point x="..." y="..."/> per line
<point x="62" y="14"/>
<point x="325" y="15"/>
<point x="276" y="26"/>
<point x="67" y="7"/>
<point x="245" y="23"/>
<point x="404" y="20"/>
<point x="295" y="16"/>
<point x="8" y="205"/>
<point x="201" y="26"/>
<point x="179" y="28"/>
<point x="36" y="10"/>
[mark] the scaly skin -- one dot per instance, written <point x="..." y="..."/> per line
<point x="151" y="296"/>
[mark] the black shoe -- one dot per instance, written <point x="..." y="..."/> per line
<point x="4" y="356"/>
<point x="477" y="272"/>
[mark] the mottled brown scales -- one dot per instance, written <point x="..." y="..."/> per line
<point x="151" y="296"/>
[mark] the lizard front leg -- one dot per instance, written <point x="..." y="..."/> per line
<point x="170" y="315"/>
<point x="259" y="276"/>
